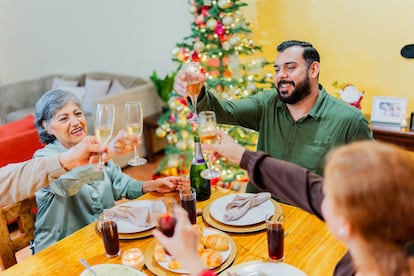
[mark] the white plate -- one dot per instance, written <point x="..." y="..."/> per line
<point x="125" y="226"/>
<point x="113" y="269"/>
<point x="206" y="231"/>
<point x="254" y="215"/>
<point x="259" y="268"/>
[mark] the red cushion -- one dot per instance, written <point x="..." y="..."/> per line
<point x="18" y="126"/>
<point x="18" y="141"/>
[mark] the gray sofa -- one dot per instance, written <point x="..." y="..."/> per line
<point x="18" y="100"/>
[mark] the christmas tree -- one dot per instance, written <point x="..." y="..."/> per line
<point x="221" y="42"/>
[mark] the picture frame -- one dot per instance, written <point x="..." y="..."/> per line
<point x="388" y="109"/>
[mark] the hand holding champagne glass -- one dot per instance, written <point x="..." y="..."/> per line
<point x="134" y="124"/>
<point x="104" y="126"/>
<point x="162" y="214"/>
<point x="207" y="131"/>
<point x="194" y="86"/>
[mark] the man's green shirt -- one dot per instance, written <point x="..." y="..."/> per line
<point x="305" y="142"/>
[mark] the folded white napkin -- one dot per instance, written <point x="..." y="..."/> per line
<point x="239" y="206"/>
<point x="138" y="215"/>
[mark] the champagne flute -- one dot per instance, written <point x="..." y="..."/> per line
<point x="194" y="86"/>
<point x="104" y="126"/>
<point x="207" y="131"/>
<point x="134" y="124"/>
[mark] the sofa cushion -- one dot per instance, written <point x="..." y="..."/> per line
<point x="116" y="87"/>
<point x="59" y="82"/>
<point x="18" y="126"/>
<point x="19" y="114"/>
<point x="18" y="141"/>
<point x="95" y="89"/>
<point x="79" y="91"/>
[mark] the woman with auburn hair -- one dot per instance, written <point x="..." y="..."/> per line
<point x="366" y="198"/>
<point x="369" y="193"/>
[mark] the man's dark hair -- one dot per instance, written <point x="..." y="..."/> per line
<point x="310" y="54"/>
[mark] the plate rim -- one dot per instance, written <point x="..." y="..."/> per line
<point x="140" y="273"/>
<point x="236" y="267"/>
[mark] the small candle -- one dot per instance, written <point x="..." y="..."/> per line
<point x="133" y="257"/>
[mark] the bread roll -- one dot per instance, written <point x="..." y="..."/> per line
<point x="211" y="258"/>
<point x="216" y="242"/>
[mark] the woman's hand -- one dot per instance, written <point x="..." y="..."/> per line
<point x="227" y="148"/>
<point x="183" y="244"/>
<point x="166" y="184"/>
<point x="122" y="143"/>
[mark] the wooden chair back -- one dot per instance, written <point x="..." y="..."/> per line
<point x="23" y="212"/>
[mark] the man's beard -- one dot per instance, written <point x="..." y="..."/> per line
<point x="301" y="90"/>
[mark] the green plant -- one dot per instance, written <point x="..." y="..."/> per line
<point x="164" y="86"/>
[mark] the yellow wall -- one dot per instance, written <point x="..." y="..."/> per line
<point x="359" y="40"/>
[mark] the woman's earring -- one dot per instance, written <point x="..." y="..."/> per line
<point x="341" y="232"/>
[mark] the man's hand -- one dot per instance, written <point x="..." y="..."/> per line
<point x="181" y="82"/>
<point x="85" y="152"/>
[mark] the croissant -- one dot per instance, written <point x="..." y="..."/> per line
<point x="159" y="253"/>
<point x="211" y="258"/>
<point x="216" y="241"/>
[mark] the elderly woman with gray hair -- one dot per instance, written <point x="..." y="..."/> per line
<point x="79" y="196"/>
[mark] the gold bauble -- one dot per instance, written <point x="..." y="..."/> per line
<point x="181" y="145"/>
<point x="224" y="4"/>
<point x="193" y="9"/>
<point x="211" y="23"/>
<point x="160" y="132"/>
<point x="199" y="46"/>
<point x="176" y="51"/>
<point x="227" y="20"/>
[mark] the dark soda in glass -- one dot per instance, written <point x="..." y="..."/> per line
<point x="189" y="204"/>
<point x="275" y="240"/>
<point x="110" y="238"/>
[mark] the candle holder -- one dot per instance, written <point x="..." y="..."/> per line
<point x="134" y="258"/>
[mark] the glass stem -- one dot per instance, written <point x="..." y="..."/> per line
<point x="195" y="105"/>
<point x="136" y="153"/>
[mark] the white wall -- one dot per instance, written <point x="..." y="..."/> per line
<point x="131" y="37"/>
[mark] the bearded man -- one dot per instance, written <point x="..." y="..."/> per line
<point x="298" y="121"/>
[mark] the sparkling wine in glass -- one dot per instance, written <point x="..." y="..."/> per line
<point x="134" y="124"/>
<point x="207" y="131"/>
<point x="194" y="86"/>
<point x="104" y="126"/>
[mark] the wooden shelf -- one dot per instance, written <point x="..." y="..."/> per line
<point x="403" y="137"/>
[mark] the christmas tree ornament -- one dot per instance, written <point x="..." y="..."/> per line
<point x="193" y="9"/>
<point x="224" y="4"/>
<point x="181" y="145"/>
<point x="199" y="46"/>
<point x="175" y="52"/>
<point x="159" y="132"/>
<point x="227" y="20"/>
<point x="235" y="40"/>
<point x="211" y="23"/>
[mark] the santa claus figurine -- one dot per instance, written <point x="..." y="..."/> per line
<point x="351" y="95"/>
